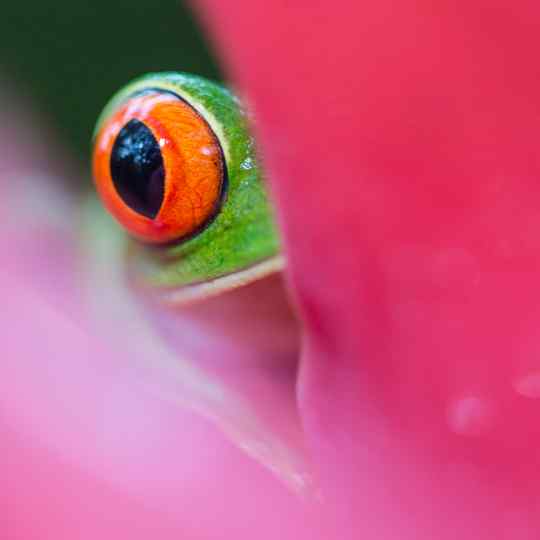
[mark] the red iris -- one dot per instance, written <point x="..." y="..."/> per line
<point x="158" y="167"/>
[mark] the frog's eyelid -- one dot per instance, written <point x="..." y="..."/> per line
<point x="173" y="83"/>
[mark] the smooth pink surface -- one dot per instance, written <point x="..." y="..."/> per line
<point x="402" y="142"/>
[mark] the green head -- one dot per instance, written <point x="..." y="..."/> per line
<point x="207" y="225"/>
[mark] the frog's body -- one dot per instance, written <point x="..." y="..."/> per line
<point x="240" y="243"/>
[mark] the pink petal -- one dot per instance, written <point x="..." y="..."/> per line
<point x="402" y="142"/>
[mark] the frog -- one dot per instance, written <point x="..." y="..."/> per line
<point x="175" y="163"/>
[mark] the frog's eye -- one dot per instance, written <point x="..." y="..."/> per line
<point x="159" y="167"/>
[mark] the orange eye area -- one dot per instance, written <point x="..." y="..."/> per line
<point x="158" y="167"/>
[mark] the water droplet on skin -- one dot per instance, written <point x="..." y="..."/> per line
<point x="247" y="164"/>
<point x="470" y="415"/>
<point x="528" y="385"/>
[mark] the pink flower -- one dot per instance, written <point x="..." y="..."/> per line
<point x="402" y="141"/>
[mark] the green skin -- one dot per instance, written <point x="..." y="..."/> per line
<point x="243" y="234"/>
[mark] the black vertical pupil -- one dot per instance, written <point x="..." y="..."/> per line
<point x="137" y="169"/>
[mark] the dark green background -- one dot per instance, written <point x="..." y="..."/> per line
<point x="69" y="57"/>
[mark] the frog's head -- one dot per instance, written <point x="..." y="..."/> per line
<point x="175" y="164"/>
